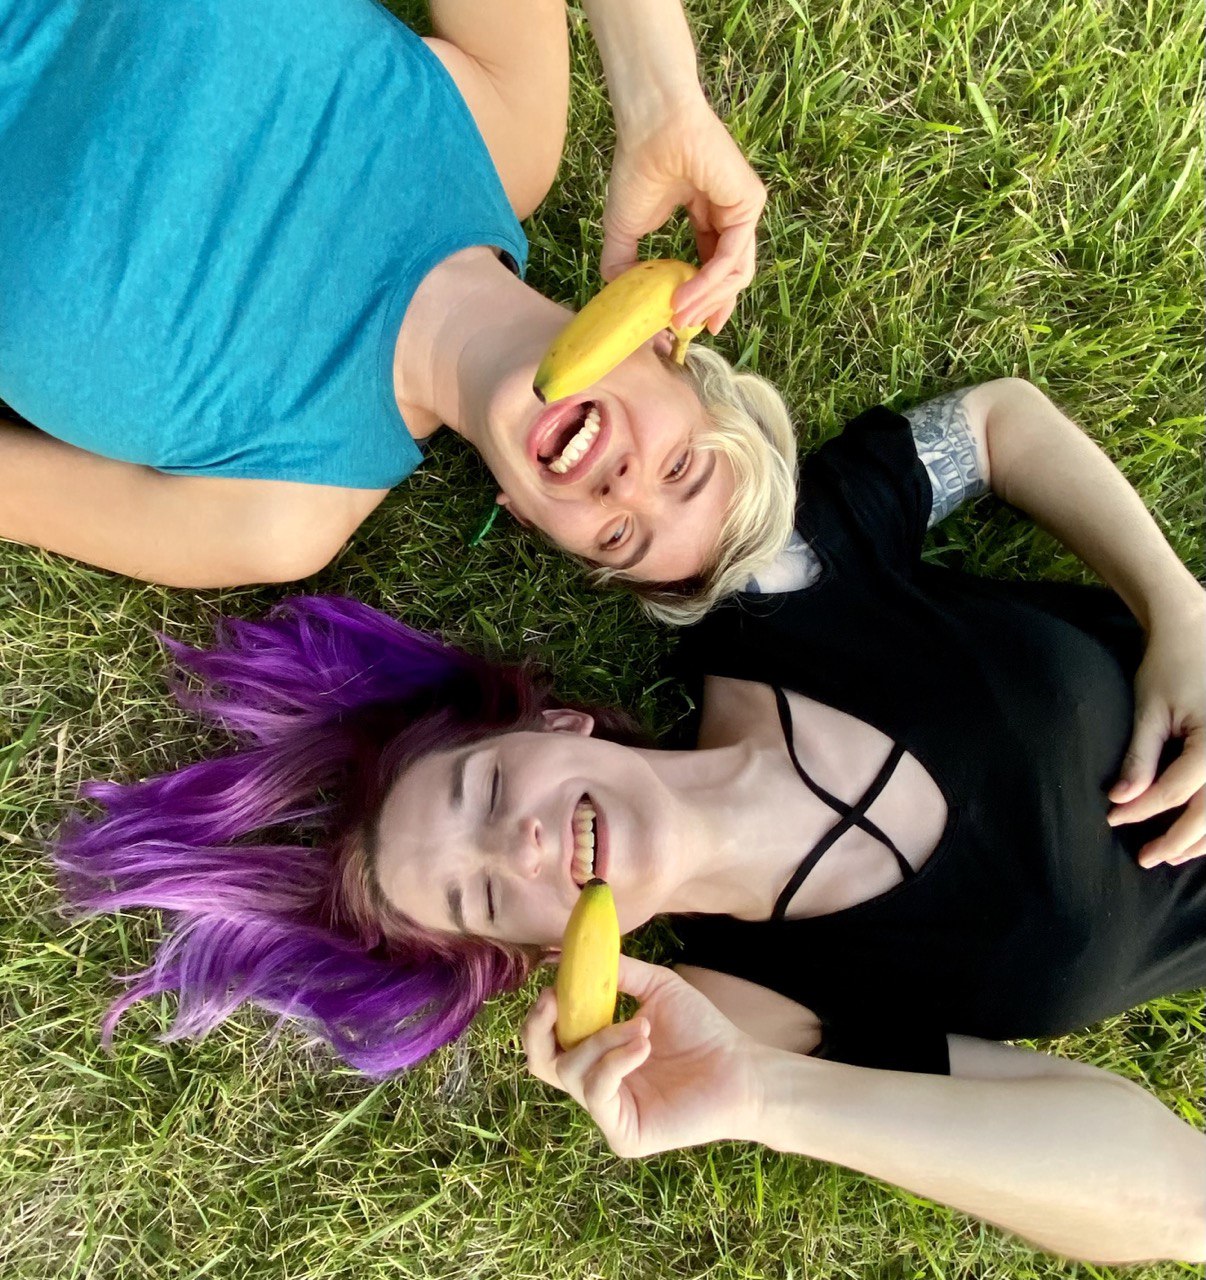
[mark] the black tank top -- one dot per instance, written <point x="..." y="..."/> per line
<point x="1031" y="917"/>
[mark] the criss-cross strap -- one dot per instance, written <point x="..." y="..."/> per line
<point x="848" y="815"/>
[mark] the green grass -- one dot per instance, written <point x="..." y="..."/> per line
<point x="957" y="193"/>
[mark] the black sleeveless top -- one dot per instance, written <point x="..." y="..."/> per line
<point x="1031" y="917"/>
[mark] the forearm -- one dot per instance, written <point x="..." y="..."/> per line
<point x="648" y="56"/>
<point x="1083" y="1165"/>
<point x="1042" y="463"/>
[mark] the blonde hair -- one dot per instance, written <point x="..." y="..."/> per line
<point x="748" y="424"/>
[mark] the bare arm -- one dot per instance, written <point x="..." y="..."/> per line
<point x="648" y="56"/>
<point x="959" y="1141"/>
<point x="1071" y="1157"/>
<point x="180" y="531"/>
<point x="510" y="61"/>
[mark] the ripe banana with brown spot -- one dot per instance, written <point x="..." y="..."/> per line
<point x="612" y="325"/>
<point x="590" y="966"/>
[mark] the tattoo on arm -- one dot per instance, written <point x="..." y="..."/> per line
<point x="947" y="451"/>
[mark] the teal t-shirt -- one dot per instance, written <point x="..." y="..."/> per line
<point x="213" y="214"/>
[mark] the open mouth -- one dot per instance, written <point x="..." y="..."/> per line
<point x="586" y="842"/>
<point x="565" y="449"/>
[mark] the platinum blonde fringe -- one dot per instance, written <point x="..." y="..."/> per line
<point x="748" y="424"/>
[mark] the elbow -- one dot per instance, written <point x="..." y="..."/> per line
<point x="278" y="561"/>
<point x="1012" y="402"/>
<point x="1018" y="419"/>
<point x="275" y="546"/>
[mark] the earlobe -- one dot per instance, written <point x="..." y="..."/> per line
<point x="563" y="720"/>
<point x="505" y="502"/>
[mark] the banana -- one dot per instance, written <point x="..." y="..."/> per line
<point x="622" y="315"/>
<point x="590" y="966"/>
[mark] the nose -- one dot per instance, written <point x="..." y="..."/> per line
<point x="623" y="481"/>
<point x="522" y="848"/>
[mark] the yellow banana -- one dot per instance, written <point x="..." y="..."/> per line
<point x="612" y="325"/>
<point x="590" y="966"/>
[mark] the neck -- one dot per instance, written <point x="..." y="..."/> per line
<point x="735" y="833"/>
<point x="470" y="323"/>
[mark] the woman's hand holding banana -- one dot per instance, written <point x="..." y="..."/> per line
<point x="676" y="1075"/>
<point x="686" y="159"/>
<point x="672" y="151"/>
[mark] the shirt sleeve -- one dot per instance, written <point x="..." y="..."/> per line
<point x="884" y="1048"/>
<point x="865" y="495"/>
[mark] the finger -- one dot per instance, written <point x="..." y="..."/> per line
<point x="626" y="218"/>
<point x="619" y="253"/>
<point x="577" y="1063"/>
<point x="539" y="1037"/>
<point x="720" y="280"/>
<point x="1142" y="756"/>
<point x="601" y="1085"/>
<point x="642" y="980"/>
<point x="1174" y="787"/>
<point x="718" y="321"/>
<point x="1188" y="831"/>
<point x="1197" y="850"/>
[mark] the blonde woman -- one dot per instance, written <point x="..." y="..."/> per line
<point x="260" y="254"/>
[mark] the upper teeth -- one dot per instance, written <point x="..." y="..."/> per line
<point x="583" y="864"/>
<point x="583" y="439"/>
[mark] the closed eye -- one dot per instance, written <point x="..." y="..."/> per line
<point x="495" y="787"/>
<point x="490" y="899"/>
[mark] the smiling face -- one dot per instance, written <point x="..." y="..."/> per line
<point x="614" y="475"/>
<point x="496" y="839"/>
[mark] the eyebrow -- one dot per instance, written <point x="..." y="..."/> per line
<point x="455" y="899"/>
<point x="693" y="491"/>
<point x="458" y="779"/>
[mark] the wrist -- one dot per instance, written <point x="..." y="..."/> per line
<point x="781" y="1095"/>
<point x="648" y="58"/>
<point x="1176" y="610"/>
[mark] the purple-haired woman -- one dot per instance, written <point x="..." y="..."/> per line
<point x="891" y="849"/>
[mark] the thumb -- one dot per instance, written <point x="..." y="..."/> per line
<point x="633" y="209"/>
<point x="641" y="980"/>
<point x="1142" y="756"/>
<point x="619" y="253"/>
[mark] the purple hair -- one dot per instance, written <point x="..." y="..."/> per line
<point x="330" y="700"/>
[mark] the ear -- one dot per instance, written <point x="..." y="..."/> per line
<point x="663" y="344"/>
<point x="563" y="720"/>
<point x="505" y="502"/>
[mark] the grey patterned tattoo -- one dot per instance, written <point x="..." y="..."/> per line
<point x="947" y="451"/>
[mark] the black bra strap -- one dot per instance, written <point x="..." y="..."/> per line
<point x="837" y="805"/>
<point x="851" y="816"/>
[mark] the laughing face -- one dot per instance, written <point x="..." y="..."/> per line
<point x="496" y="839"/>
<point x="614" y="475"/>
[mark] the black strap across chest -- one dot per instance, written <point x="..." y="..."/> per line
<point x="848" y="815"/>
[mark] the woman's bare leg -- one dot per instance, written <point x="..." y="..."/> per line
<point x="180" y="531"/>
<point x="510" y="60"/>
